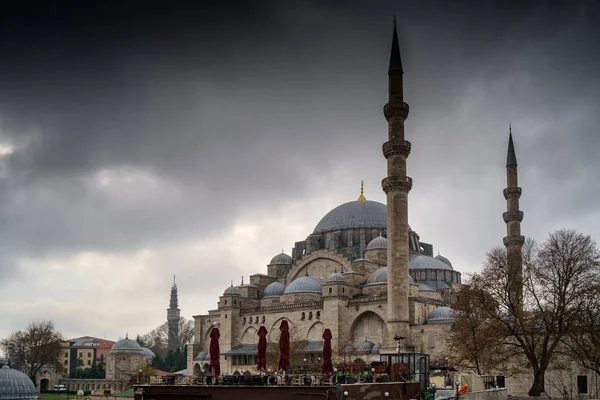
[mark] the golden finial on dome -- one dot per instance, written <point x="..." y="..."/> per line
<point x="362" y="192"/>
<point x="380" y="234"/>
<point x="509" y="128"/>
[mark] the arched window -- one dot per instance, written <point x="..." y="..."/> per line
<point x="302" y="317"/>
<point x="330" y="290"/>
<point x="256" y="319"/>
<point x="433" y="275"/>
<point x="244" y="322"/>
<point x="343" y="290"/>
<point x="263" y="319"/>
<point x="310" y="315"/>
<point x="318" y="314"/>
<point x="423" y="275"/>
<point x="225" y="302"/>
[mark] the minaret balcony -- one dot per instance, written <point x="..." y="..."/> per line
<point x="396" y="184"/>
<point x="512" y="192"/>
<point x="401" y="148"/>
<point x="393" y="110"/>
<point x="513" y="240"/>
<point x="513" y="216"/>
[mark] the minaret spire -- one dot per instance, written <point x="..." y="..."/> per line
<point x="173" y="314"/>
<point x="395" y="58"/>
<point x="513" y="217"/>
<point x="396" y="187"/>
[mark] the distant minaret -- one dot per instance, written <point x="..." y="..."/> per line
<point x="173" y="318"/>
<point x="513" y="217"/>
<point x="396" y="186"/>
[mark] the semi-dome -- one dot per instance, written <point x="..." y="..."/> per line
<point x="376" y="349"/>
<point x="15" y="385"/>
<point x="149" y="354"/>
<point x="379" y="277"/>
<point x="348" y="349"/>
<point x="425" y="288"/>
<point x="444" y="260"/>
<point x="426" y="262"/>
<point x="354" y="214"/>
<point x="126" y="344"/>
<point x="282" y="258"/>
<point x="305" y="284"/>
<point x="378" y="243"/>
<point x="365" y="346"/>
<point x="336" y="277"/>
<point x="232" y="291"/>
<point x="274" y="289"/>
<point x="440" y="315"/>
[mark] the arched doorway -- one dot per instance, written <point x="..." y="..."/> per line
<point x="44" y="384"/>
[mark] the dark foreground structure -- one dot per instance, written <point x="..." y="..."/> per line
<point x="392" y="390"/>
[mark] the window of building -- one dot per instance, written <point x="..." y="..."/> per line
<point x="225" y="302"/>
<point x="329" y="290"/>
<point x="303" y="316"/>
<point x="66" y="362"/>
<point x="234" y="302"/>
<point x="244" y="321"/>
<point x="256" y="319"/>
<point x="423" y="276"/>
<point x="80" y="355"/>
<point x="67" y="355"/>
<point x="343" y="290"/>
<point x="433" y="275"/>
<point x="310" y="315"/>
<point x="318" y="314"/>
<point x="89" y="354"/>
<point x="89" y="362"/>
<point x="66" y="371"/>
<point x="263" y="319"/>
<point x="582" y="385"/>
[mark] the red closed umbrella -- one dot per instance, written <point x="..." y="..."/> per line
<point x="215" y="353"/>
<point x="262" y="348"/>
<point x="284" y="346"/>
<point x="327" y="367"/>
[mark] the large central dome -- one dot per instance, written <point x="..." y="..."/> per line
<point x="354" y="214"/>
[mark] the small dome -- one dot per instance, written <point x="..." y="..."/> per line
<point x="232" y="291"/>
<point x="149" y="354"/>
<point x="365" y="346"/>
<point x="274" y="289"/>
<point x="126" y="344"/>
<point x="440" y="315"/>
<point x="202" y="356"/>
<point x="425" y="288"/>
<point x="348" y="349"/>
<point x="15" y="385"/>
<point x="305" y="284"/>
<point x="336" y="277"/>
<point x="282" y="258"/>
<point x="376" y="349"/>
<point x="379" y="277"/>
<point x="444" y="260"/>
<point x="425" y="262"/>
<point x="378" y="243"/>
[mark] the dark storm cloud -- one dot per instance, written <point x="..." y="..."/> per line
<point x="134" y="124"/>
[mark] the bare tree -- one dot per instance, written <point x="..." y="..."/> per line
<point x="40" y="344"/>
<point x="157" y="339"/>
<point x="583" y="342"/>
<point x="475" y="341"/>
<point x="557" y="278"/>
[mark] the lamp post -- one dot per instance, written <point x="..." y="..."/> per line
<point x="457" y="384"/>
<point x="140" y="376"/>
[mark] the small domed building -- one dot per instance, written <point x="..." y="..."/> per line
<point x="15" y="385"/>
<point x="125" y="359"/>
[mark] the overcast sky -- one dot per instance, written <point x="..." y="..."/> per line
<point x="138" y="142"/>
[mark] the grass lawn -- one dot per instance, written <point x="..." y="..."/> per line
<point x="52" y="396"/>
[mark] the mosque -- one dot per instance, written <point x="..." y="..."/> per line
<point x="363" y="272"/>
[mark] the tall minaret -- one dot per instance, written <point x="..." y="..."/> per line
<point x="513" y="217"/>
<point x="173" y="318"/>
<point x="396" y="186"/>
